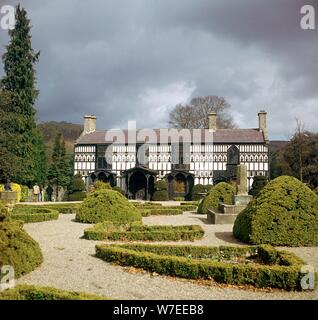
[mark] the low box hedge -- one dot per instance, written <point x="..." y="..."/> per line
<point x="259" y="266"/>
<point x="36" y="214"/>
<point x="165" y="210"/>
<point x="138" y="232"/>
<point x="63" y="208"/>
<point x="26" y="292"/>
<point x="162" y="212"/>
<point x="146" y="204"/>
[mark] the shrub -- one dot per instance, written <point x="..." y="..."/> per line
<point x="24" y="193"/>
<point x="31" y="215"/>
<point x="100" y="185"/>
<point x="18" y="249"/>
<point x="198" y="189"/>
<point x="65" y="208"/>
<point x="161" y="212"/>
<point x="107" y="205"/>
<point x="259" y="183"/>
<point x="77" y="183"/>
<point x="146" y="204"/>
<point x="76" y="196"/>
<point x="161" y="193"/>
<point x="15" y="187"/>
<point x="316" y="191"/>
<point x="284" y="213"/>
<point x="3" y="212"/>
<point x="220" y="193"/>
<point x="230" y="265"/>
<point x="26" y="292"/>
<point x="138" y="232"/>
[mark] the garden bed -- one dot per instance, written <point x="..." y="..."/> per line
<point x="31" y="215"/>
<point x="25" y="292"/>
<point x="259" y="266"/>
<point x="138" y="232"/>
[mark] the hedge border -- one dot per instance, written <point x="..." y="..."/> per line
<point x="144" y="233"/>
<point x="156" y="258"/>
<point x="61" y="208"/>
<point x="161" y="212"/>
<point x="26" y="292"/>
<point x="32" y="215"/>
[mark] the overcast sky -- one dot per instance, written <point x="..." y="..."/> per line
<point x="136" y="59"/>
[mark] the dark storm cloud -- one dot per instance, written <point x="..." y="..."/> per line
<point x="136" y="59"/>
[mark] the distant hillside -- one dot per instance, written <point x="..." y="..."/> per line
<point x="70" y="132"/>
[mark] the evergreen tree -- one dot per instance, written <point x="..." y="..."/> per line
<point x="19" y="138"/>
<point x="59" y="171"/>
<point x="40" y="157"/>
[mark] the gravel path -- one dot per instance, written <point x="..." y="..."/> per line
<point x="69" y="264"/>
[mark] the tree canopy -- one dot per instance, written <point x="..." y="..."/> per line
<point x="195" y="114"/>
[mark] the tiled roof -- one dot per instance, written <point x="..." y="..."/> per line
<point x="162" y="135"/>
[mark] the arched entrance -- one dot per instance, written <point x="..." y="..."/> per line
<point x="140" y="183"/>
<point x="104" y="176"/>
<point x="180" y="184"/>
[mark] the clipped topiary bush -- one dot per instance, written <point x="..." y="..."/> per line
<point x="220" y="193"/>
<point x="259" y="183"/>
<point x="285" y="213"/>
<point x="100" y="185"/>
<point x="25" y="292"/>
<point x="107" y="205"/>
<point x="316" y="191"/>
<point x="161" y="193"/>
<point x="18" y="249"/>
<point x="198" y="190"/>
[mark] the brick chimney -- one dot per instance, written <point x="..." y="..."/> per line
<point x="212" y="121"/>
<point x="89" y="124"/>
<point x="262" y="124"/>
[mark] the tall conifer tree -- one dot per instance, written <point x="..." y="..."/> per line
<point x="19" y="137"/>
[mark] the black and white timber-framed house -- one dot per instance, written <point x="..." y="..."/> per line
<point x="201" y="156"/>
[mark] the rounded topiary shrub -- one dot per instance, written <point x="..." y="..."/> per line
<point x="18" y="249"/>
<point x="161" y="193"/>
<point x="259" y="183"/>
<point x="100" y="185"/>
<point x="284" y="213"/>
<point x="198" y="190"/>
<point x="107" y="205"/>
<point x="221" y="193"/>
